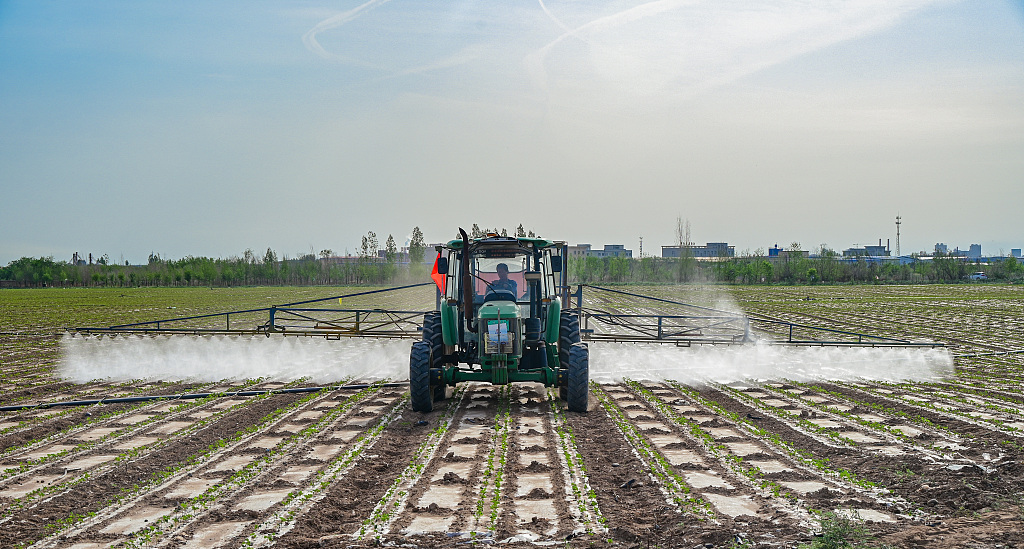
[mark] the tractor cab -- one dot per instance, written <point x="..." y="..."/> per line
<point x="499" y="320"/>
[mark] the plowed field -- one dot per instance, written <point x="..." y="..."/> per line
<point x="661" y="462"/>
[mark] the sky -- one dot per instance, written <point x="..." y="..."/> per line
<point x="206" y="128"/>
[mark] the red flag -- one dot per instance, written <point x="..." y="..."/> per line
<point x="439" y="278"/>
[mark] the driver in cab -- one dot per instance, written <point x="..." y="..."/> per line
<point x="504" y="282"/>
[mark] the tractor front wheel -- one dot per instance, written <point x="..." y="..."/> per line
<point x="432" y="335"/>
<point x="568" y="335"/>
<point x="421" y="394"/>
<point x="577" y="391"/>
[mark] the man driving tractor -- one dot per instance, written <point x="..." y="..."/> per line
<point x="504" y="282"/>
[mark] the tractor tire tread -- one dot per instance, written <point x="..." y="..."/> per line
<point x="568" y="335"/>
<point x="433" y="336"/>
<point x="420" y="392"/>
<point x="578" y="389"/>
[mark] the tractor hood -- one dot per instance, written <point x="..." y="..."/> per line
<point x="499" y="309"/>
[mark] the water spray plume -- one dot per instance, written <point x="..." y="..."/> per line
<point x="613" y="361"/>
<point x="213" y="358"/>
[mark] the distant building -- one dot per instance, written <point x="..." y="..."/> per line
<point x="610" y="250"/>
<point x="868" y="251"/>
<point x="775" y="252"/>
<point x="974" y="252"/>
<point x="711" y="249"/>
<point x="941" y="248"/>
<point x="579" y="250"/>
<point x="1015" y="252"/>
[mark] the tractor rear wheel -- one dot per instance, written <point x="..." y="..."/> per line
<point x="568" y="335"/>
<point x="421" y="394"/>
<point x="578" y="389"/>
<point x="433" y="336"/>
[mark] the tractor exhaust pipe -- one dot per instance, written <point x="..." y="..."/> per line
<point x="467" y="283"/>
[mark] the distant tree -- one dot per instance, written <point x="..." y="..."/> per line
<point x="686" y="265"/>
<point x="286" y="270"/>
<point x="390" y="250"/>
<point x="369" y="246"/>
<point x="520" y="231"/>
<point x="270" y="265"/>
<point x="417" y="247"/>
<point x="475" y="232"/>
<point x="324" y="254"/>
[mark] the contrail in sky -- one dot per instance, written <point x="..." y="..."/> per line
<point x="309" y="39"/>
<point x="535" y="61"/>
<point x="714" y="42"/>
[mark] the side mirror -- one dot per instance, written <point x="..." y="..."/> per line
<point x="556" y="263"/>
<point x="442" y="265"/>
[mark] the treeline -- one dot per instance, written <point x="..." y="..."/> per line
<point x="369" y="267"/>
<point x="390" y="267"/>
<point x="205" y="271"/>
<point x="784" y="270"/>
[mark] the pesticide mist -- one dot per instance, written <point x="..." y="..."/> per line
<point x="214" y="358"/>
<point x="614" y="361"/>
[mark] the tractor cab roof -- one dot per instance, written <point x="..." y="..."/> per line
<point x="493" y="241"/>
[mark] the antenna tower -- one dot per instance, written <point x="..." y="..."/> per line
<point x="898" y="223"/>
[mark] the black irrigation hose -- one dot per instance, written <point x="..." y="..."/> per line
<point x="192" y="396"/>
<point x="994" y="353"/>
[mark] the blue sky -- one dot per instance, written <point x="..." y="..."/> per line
<point x="205" y="128"/>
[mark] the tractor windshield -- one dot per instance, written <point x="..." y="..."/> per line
<point x="501" y="275"/>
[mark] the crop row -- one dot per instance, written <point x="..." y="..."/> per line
<point x="586" y="510"/>
<point x="76" y="523"/>
<point x="671" y="482"/>
<point x="800" y="455"/>
<point x="377" y="524"/>
<point x="189" y="511"/>
<point x="740" y="468"/>
<point x="127" y="455"/>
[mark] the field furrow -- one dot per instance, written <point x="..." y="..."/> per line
<point x="669" y="459"/>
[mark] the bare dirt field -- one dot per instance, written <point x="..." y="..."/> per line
<point x="656" y="462"/>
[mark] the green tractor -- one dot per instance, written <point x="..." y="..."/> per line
<point x="499" y="319"/>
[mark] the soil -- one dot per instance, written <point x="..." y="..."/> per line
<point x="95" y="493"/>
<point x="964" y="506"/>
<point x="354" y="497"/>
<point x="979" y="530"/>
